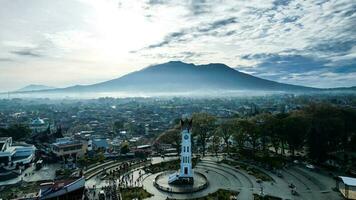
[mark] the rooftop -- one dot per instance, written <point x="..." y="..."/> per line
<point x="348" y="180"/>
<point x="66" y="141"/>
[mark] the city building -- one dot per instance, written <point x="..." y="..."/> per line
<point x="98" y="143"/>
<point x="38" y="125"/>
<point x="68" y="149"/>
<point x="13" y="158"/>
<point x="116" y="144"/>
<point x="14" y="155"/>
<point x="347" y="186"/>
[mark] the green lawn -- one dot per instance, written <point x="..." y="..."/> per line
<point x="132" y="193"/>
<point x="218" y="195"/>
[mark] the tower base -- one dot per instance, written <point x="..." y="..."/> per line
<point x="184" y="181"/>
<point x="196" y="183"/>
<point x="180" y="180"/>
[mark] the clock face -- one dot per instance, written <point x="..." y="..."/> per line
<point x="186" y="137"/>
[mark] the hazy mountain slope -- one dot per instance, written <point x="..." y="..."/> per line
<point x="177" y="76"/>
<point x="34" y="87"/>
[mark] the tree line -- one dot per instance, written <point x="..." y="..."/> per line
<point x="320" y="130"/>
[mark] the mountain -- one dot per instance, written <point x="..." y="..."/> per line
<point x="176" y="76"/>
<point x="34" y="87"/>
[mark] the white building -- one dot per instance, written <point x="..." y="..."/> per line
<point x="13" y="155"/>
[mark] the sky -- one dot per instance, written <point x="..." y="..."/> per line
<point x="69" y="42"/>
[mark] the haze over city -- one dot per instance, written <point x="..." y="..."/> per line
<point x="65" y="43"/>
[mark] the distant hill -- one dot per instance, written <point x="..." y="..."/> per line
<point x="176" y="76"/>
<point x="34" y="87"/>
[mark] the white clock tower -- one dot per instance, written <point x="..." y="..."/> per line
<point x="186" y="154"/>
<point x="185" y="174"/>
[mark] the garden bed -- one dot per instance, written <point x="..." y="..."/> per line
<point x="134" y="193"/>
<point x="19" y="190"/>
<point x="267" y="197"/>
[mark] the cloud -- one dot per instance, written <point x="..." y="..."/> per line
<point x="290" y="19"/>
<point x="299" y="69"/>
<point x="195" y="7"/>
<point x="175" y="36"/>
<point x="27" y="53"/>
<point x="157" y="2"/>
<point x="284" y="64"/>
<point x="217" y="24"/>
<point x="198" y="31"/>
<point x="199" y="7"/>
<point x="6" y="60"/>
<point x="278" y="3"/>
<point x="186" y="56"/>
<point x="342" y="46"/>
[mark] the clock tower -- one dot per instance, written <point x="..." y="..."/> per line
<point x="185" y="174"/>
<point x="186" y="171"/>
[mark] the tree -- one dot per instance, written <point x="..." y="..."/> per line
<point x="16" y="131"/>
<point x="226" y="130"/>
<point x="262" y="122"/>
<point x="327" y="129"/>
<point x="203" y="125"/>
<point x="297" y="126"/>
<point x="215" y="144"/>
<point x="240" y="138"/>
<point x="279" y="131"/>
<point x="118" y="126"/>
<point x="173" y="137"/>
<point x="349" y="118"/>
<point x="270" y="128"/>
<point x="239" y="134"/>
<point x="124" y="148"/>
<point x="248" y="127"/>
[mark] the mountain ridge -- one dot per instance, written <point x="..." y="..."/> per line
<point x="177" y="76"/>
<point x="34" y="87"/>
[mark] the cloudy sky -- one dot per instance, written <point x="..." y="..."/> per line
<point x="69" y="42"/>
